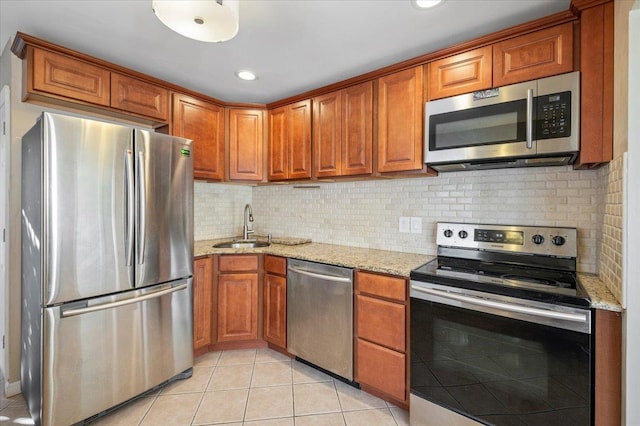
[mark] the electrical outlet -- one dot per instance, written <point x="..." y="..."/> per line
<point x="404" y="224"/>
<point x="416" y="225"/>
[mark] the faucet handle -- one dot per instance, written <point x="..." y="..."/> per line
<point x="269" y="238"/>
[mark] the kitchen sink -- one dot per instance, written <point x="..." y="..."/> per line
<point x="242" y="244"/>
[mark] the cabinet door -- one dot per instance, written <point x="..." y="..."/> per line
<point x="299" y="139"/>
<point x="139" y="97"/>
<point x="596" y="96"/>
<point x="535" y="55"/>
<point x="278" y="151"/>
<point x="237" y="307"/>
<point x="202" y="302"/>
<point x="357" y="129"/>
<point x="327" y="133"/>
<point x="400" y="107"/>
<point x="204" y="124"/>
<point x="246" y="144"/>
<point x="68" y="77"/>
<point x="462" y="73"/>
<point x="275" y="310"/>
<point x="381" y="368"/>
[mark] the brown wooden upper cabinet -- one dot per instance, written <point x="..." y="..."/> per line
<point x="596" y="73"/>
<point x="462" y="73"/>
<point x="66" y="77"/>
<point x="203" y="122"/>
<point x="535" y="55"/>
<point x="139" y="97"/>
<point x="246" y="144"/>
<point x="400" y="118"/>
<point x="290" y="141"/>
<point x="343" y="132"/>
<point x="73" y="80"/>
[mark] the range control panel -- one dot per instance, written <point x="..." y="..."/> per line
<point x="521" y="239"/>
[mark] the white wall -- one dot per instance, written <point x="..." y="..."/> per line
<point x="631" y="317"/>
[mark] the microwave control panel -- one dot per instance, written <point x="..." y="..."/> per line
<point x="553" y="116"/>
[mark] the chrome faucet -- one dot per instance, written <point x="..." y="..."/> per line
<point x="248" y="217"/>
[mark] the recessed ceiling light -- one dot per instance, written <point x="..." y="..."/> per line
<point x="425" y="4"/>
<point x="246" y="75"/>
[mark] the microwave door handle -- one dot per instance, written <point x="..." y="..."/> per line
<point x="529" y="118"/>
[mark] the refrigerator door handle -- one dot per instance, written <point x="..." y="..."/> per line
<point x="111" y="305"/>
<point x="142" y="209"/>
<point x="129" y="207"/>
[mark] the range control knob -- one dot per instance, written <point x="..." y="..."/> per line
<point x="537" y="239"/>
<point x="448" y="233"/>
<point x="558" y="240"/>
<point x="463" y="234"/>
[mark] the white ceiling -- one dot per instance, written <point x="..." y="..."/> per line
<point x="293" y="45"/>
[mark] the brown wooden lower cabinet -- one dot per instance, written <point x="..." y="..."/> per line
<point x="237" y="315"/>
<point x="608" y="368"/>
<point x="202" y="304"/>
<point x="381" y="362"/>
<point x="275" y="301"/>
<point x="382" y="368"/>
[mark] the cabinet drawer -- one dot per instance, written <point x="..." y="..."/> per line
<point x="381" y="322"/>
<point x="381" y="368"/>
<point x="382" y="285"/>
<point x="238" y="263"/>
<point x="275" y="264"/>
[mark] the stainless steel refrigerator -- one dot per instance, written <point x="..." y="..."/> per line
<point x="107" y="264"/>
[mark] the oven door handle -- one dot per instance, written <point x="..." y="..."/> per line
<point x="581" y="318"/>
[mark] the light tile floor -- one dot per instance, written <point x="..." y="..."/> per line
<point x="247" y="387"/>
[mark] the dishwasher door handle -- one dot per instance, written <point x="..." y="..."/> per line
<point x="319" y="276"/>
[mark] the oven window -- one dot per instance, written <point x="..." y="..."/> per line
<point x="499" y="370"/>
<point x="491" y="124"/>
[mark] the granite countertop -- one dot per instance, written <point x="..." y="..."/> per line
<point x="388" y="262"/>
<point x="601" y="297"/>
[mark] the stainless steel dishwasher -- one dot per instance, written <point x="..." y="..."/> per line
<point x="320" y="315"/>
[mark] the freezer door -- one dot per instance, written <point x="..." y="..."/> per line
<point x="164" y="215"/>
<point x="105" y="351"/>
<point x="84" y="208"/>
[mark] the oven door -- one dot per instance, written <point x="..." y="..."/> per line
<point x="498" y="360"/>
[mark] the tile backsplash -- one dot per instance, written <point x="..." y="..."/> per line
<point x="610" y="267"/>
<point x="218" y="209"/>
<point x="366" y="214"/>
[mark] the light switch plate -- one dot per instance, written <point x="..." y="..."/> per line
<point x="404" y="224"/>
<point x="416" y="225"/>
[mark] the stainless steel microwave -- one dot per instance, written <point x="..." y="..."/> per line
<point x="535" y="123"/>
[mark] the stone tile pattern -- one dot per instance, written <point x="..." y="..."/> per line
<point x="246" y="387"/>
<point x="610" y="267"/>
<point x="365" y="214"/>
<point x="218" y="209"/>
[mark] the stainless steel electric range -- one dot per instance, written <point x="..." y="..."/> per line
<point x="500" y="329"/>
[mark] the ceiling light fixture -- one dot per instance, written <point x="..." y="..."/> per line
<point x="203" y="20"/>
<point x="425" y="4"/>
<point x="246" y="75"/>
